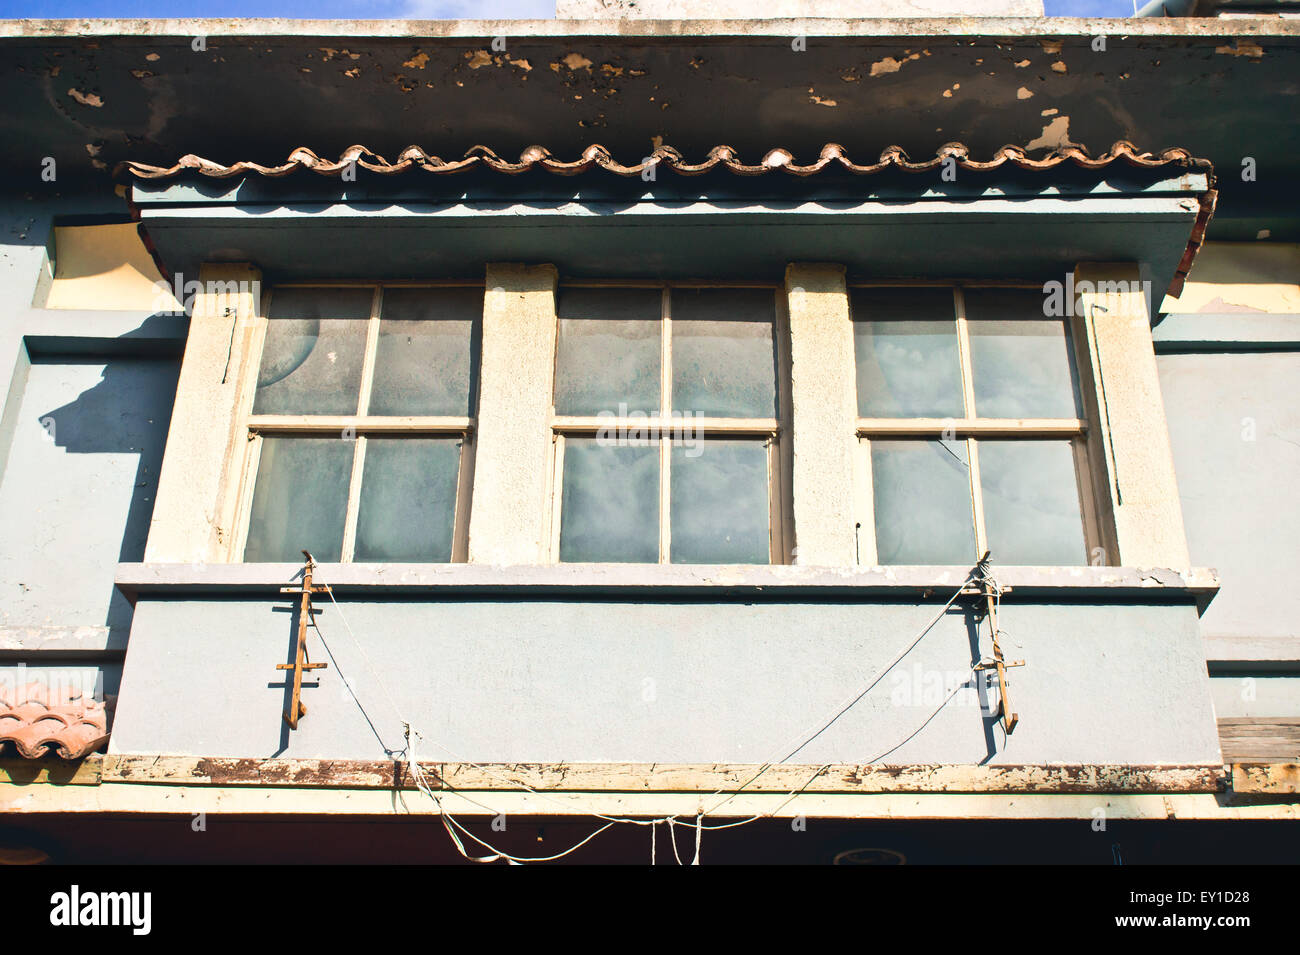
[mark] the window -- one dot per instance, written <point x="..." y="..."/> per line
<point x="362" y="419"/>
<point x="971" y="427"/>
<point x="667" y="426"/>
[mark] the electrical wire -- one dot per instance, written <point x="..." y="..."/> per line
<point x="451" y="824"/>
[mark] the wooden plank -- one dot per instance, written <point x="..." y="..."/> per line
<point x="1260" y="739"/>
<point x="1266" y="778"/>
<point x="656" y="777"/>
<point x="57" y="772"/>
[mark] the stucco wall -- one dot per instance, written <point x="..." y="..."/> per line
<point x="691" y="682"/>
<point x="1235" y="428"/>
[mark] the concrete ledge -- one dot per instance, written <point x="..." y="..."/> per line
<point x="359" y="31"/>
<point x="1220" y="648"/>
<point x="79" y="642"/>
<point x="936" y="583"/>
<point x="1226" y="331"/>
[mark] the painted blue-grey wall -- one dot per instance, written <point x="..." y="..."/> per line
<point x="692" y="682"/>
<point x="87" y="396"/>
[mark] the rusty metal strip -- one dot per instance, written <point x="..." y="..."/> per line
<point x="657" y="777"/>
<point x="832" y="156"/>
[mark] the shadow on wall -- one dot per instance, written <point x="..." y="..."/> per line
<point x="74" y="518"/>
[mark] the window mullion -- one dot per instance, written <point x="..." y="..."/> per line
<point x="963" y="353"/>
<point x="976" y="496"/>
<point x="354" y="498"/>
<point x="372" y="346"/>
<point x="665" y="419"/>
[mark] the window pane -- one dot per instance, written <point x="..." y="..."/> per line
<point x="609" y="350"/>
<point x="720" y="510"/>
<point x="300" y="499"/>
<point x="610" y="502"/>
<point x="1031" y="503"/>
<point x="315" y="344"/>
<point x="1023" y="363"/>
<point x="423" y="361"/>
<point x="408" y="499"/>
<point x="923" y="503"/>
<point x="723" y="361"/>
<point x="906" y="344"/>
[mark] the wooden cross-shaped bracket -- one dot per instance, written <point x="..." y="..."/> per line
<point x="987" y="590"/>
<point x="301" y="662"/>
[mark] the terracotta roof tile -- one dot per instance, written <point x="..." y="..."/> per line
<point x="36" y="720"/>
<point x="833" y="156"/>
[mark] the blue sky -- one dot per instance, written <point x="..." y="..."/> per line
<point x="380" y="9"/>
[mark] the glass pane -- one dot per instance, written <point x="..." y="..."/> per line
<point x="315" y="344"/>
<point x="610" y="502"/>
<point x="1023" y="363"/>
<point x="723" y="361"/>
<point x="300" y="499"/>
<point x="923" y="502"/>
<point x="609" y="351"/>
<point x="720" y="511"/>
<point x="906" y="344"/>
<point x="1031" y="503"/>
<point x="408" y="500"/>
<point x="423" y="361"/>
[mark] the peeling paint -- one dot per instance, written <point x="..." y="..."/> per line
<point x="1023" y="93"/>
<point x="521" y="63"/>
<point x="1055" y="135"/>
<point x="153" y="57"/>
<point x="143" y="74"/>
<point x="1247" y="48"/>
<point x="1060" y="67"/>
<point x="1021" y="64"/>
<point x="574" y="61"/>
<point x="1051" y="47"/>
<point x="891" y="65"/>
<point x="419" y="61"/>
<point x="820" y="101"/>
<point x="86" y="99"/>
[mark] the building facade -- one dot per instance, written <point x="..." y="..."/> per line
<point x="828" y="437"/>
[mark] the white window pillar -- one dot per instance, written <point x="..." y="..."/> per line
<point x="1133" y="433"/>
<point x="823" y="410"/>
<point x="508" y="514"/>
<point x="194" y="510"/>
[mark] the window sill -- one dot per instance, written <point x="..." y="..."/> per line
<point x="1112" y="583"/>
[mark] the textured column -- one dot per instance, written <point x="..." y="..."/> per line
<point x="508" y="510"/>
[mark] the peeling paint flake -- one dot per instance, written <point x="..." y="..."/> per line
<point x="1051" y="47"/>
<point x="1055" y="135"/>
<point x="891" y="65"/>
<point x="86" y="99"/>
<point x="420" y="60"/>
<point x="1247" y="48"/>
<point x="1060" y="67"/>
<point x="1021" y="64"/>
<point x="574" y="61"/>
<point x="1023" y="93"/>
